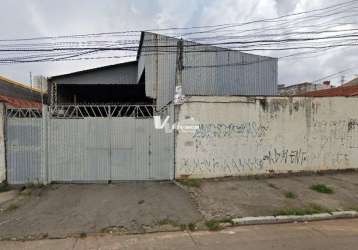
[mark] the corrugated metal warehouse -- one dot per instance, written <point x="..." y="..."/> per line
<point x="100" y="122"/>
<point x="203" y="70"/>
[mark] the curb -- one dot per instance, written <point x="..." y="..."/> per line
<point x="294" y="218"/>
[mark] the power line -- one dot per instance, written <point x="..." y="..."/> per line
<point x="136" y="32"/>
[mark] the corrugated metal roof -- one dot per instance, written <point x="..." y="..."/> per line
<point x="339" y="91"/>
<point x="207" y="70"/>
<point x="20" y="103"/>
<point x="122" y="73"/>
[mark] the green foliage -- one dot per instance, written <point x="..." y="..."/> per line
<point x="191" y="182"/>
<point x="290" y="195"/>
<point x="213" y="225"/>
<point x="191" y="226"/>
<point x="322" y="188"/>
<point x="312" y="209"/>
<point x="4" y="187"/>
<point x="11" y="207"/>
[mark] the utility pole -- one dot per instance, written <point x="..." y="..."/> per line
<point x="30" y="80"/>
<point x="342" y="79"/>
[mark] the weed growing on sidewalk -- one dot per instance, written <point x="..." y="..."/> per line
<point x="312" y="209"/>
<point x="322" y="188"/>
<point x="4" y="187"/>
<point x="12" y="207"/>
<point x="83" y="235"/>
<point x="213" y="225"/>
<point x="290" y="195"/>
<point x="190" y="182"/>
<point x="271" y="185"/>
<point x="168" y="222"/>
<point x="191" y="226"/>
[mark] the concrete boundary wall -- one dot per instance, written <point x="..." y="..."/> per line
<point x="239" y="136"/>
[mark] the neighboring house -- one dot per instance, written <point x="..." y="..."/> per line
<point x="163" y="64"/>
<point x="352" y="82"/>
<point x="301" y="88"/>
<point x="20" y="95"/>
<point x="350" y="90"/>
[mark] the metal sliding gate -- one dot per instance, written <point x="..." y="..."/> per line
<point x="83" y="143"/>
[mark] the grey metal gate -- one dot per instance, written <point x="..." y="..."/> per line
<point x="23" y="146"/>
<point x="74" y="146"/>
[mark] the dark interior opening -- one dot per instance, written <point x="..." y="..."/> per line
<point x="102" y="94"/>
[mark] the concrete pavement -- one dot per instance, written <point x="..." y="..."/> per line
<point x="327" y="235"/>
<point x="60" y="211"/>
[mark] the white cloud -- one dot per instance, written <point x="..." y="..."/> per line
<point x="49" y="18"/>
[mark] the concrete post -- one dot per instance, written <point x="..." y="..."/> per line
<point x="44" y="146"/>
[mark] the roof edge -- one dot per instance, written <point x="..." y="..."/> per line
<point x="91" y="70"/>
<point x="19" y="84"/>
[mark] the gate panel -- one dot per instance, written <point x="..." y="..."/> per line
<point x="122" y="153"/>
<point x="23" y="149"/>
<point x="97" y="144"/>
<point x="66" y="154"/>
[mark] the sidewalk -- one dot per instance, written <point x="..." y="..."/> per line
<point x="235" y="197"/>
<point x="60" y="211"/>
<point x="328" y="235"/>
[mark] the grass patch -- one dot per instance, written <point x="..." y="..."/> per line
<point x="322" y="188"/>
<point x="190" y="182"/>
<point x="34" y="185"/>
<point x="271" y="185"/>
<point x="168" y="222"/>
<point x="354" y="209"/>
<point x="290" y="195"/>
<point x="191" y="226"/>
<point x="4" y="187"/>
<point x="83" y="235"/>
<point x="11" y="207"/>
<point x="215" y="225"/>
<point x="312" y="209"/>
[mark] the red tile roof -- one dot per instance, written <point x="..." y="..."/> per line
<point x="19" y="103"/>
<point x="339" y="91"/>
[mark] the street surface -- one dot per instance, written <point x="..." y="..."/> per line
<point x="327" y="235"/>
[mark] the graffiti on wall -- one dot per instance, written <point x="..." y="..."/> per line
<point x="222" y="130"/>
<point x="326" y="144"/>
<point x="295" y="157"/>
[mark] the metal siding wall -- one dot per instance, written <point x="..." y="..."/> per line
<point x="160" y="67"/>
<point x="166" y="70"/>
<point x="221" y="72"/>
<point x="23" y="150"/>
<point x="89" y="150"/>
<point x="251" y="78"/>
<point x="147" y="62"/>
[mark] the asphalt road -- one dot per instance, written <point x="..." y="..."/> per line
<point x="327" y="235"/>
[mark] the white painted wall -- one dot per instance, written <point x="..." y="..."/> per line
<point x="247" y="136"/>
<point x="2" y="143"/>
